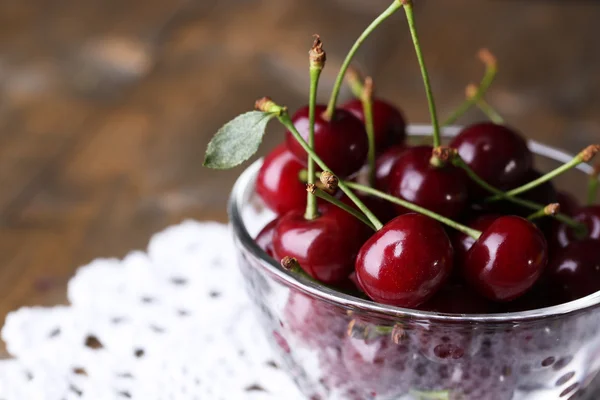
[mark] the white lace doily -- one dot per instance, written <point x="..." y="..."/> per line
<point x="171" y="323"/>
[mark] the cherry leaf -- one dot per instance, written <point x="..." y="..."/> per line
<point x="237" y="140"/>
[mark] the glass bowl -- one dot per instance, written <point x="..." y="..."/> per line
<point x="336" y="346"/>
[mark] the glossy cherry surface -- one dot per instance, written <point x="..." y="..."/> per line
<point x="384" y="164"/>
<point x="462" y="242"/>
<point x="496" y="153"/>
<point x="590" y="216"/>
<point x="388" y="122"/>
<point x="574" y="272"/>
<point x="342" y="143"/>
<point x="325" y="247"/>
<point x="507" y="259"/>
<point x="264" y="239"/>
<point x="442" y="190"/>
<point x="277" y="182"/>
<point x="405" y="262"/>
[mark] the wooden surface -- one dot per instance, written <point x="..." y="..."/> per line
<point x="106" y="106"/>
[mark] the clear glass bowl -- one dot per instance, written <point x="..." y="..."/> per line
<point x="337" y="346"/>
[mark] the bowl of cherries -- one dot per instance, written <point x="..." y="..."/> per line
<point x="397" y="261"/>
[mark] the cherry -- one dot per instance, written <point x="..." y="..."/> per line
<point x="574" y="272"/>
<point x="388" y="123"/>
<point x="462" y="242"/>
<point x="325" y="247"/>
<point x="405" y="262"/>
<point x="384" y="164"/>
<point x="496" y="153"/>
<point x="455" y="298"/>
<point x="277" y="182"/>
<point x="264" y="239"/>
<point x="568" y="203"/>
<point x="341" y="143"/>
<point x="590" y="216"/>
<point x="442" y="190"/>
<point x="507" y="259"/>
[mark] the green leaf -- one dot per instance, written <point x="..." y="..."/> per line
<point x="237" y="140"/>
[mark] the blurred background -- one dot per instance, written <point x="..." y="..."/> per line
<point x="106" y="106"/>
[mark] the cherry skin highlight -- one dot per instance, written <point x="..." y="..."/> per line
<point x="325" y="247"/>
<point x="462" y="242"/>
<point x="442" y="190"/>
<point x="264" y="239"/>
<point x="342" y="143"/>
<point x="496" y="153"/>
<point x="388" y="122"/>
<point x="406" y="262"/>
<point x="574" y="272"/>
<point x="589" y="216"/>
<point x="277" y="182"/>
<point x="507" y="259"/>
<point x="384" y="164"/>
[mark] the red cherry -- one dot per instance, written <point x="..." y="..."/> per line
<point x="457" y="299"/>
<point x="341" y="143"/>
<point x="507" y="259"/>
<point x="497" y="154"/>
<point x="442" y="190"/>
<point x="264" y="239"/>
<point x="568" y="203"/>
<point x="388" y="123"/>
<point x="325" y="247"/>
<point x="405" y="262"/>
<point x="462" y="242"/>
<point x="277" y="182"/>
<point x="574" y="272"/>
<point x="590" y="216"/>
<point x="384" y="164"/>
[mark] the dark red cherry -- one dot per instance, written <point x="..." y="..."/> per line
<point x="507" y="259"/>
<point x="568" y="203"/>
<point x="462" y="242"/>
<point x="590" y="216"/>
<point x="496" y="153"/>
<point x="455" y="298"/>
<point x="406" y="262"/>
<point x="383" y="166"/>
<point x="442" y="190"/>
<point x="574" y="271"/>
<point x="341" y="143"/>
<point x="277" y="182"/>
<point x="325" y="247"/>
<point x="388" y="122"/>
<point x="264" y="239"/>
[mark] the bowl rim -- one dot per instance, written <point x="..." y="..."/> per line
<point x="238" y="200"/>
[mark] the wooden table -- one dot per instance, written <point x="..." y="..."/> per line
<point x="107" y="106"/>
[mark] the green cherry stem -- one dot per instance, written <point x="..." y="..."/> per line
<point x="268" y="106"/>
<point x="408" y="9"/>
<point x="320" y="193"/>
<point x="367" y="102"/>
<point x="549" y="210"/>
<point x="491" y="69"/>
<point x="355" y="82"/>
<point x="457" y="161"/>
<point x="317" y="59"/>
<point x="413" y="207"/>
<point x="395" y="6"/>
<point x="593" y="185"/>
<point x="584" y="156"/>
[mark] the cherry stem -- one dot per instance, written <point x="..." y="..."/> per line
<point x="413" y="207"/>
<point x="292" y="265"/>
<point x="355" y="82"/>
<point x="491" y="69"/>
<point x="460" y="163"/>
<point x="586" y="155"/>
<point x="338" y="203"/>
<point x="395" y="6"/>
<point x="408" y="9"/>
<point x="593" y="185"/>
<point x="317" y="62"/>
<point x="491" y="113"/>
<point x="549" y="210"/>
<point x="284" y="118"/>
<point x="367" y="102"/>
